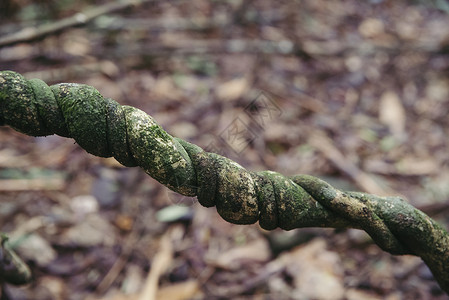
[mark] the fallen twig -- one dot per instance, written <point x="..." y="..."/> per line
<point x="29" y="34"/>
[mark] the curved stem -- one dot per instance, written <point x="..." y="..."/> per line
<point x="105" y="128"/>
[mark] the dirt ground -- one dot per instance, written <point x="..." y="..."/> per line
<point x="354" y="92"/>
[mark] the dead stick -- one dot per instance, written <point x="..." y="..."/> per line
<point x="33" y="33"/>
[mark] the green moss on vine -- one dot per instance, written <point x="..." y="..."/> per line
<point x="104" y="128"/>
<point x="84" y="113"/>
<point x="48" y="109"/>
<point x="117" y="134"/>
<point x="158" y="153"/>
<point x="207" y="179"/>
<point x="266" y="198"/>
<point x="236" y="198"/>
<point x="17" y="105"/>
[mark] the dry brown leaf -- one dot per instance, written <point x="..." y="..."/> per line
<point x="414" y="166"/>
<point x="438" y="90"/>
<point x="161" y="262"/>
<point x="166" y="88"/>
<point x="355" y="294"/>
<point x="233" y="89"/>
<point x="37" y="249"/>
<point x="115" y="296"/>
<point x="36" y="184"/>
<point x="392" y="113"/>
<point x="76" y="44"/>
<point x="183" y="130"/>
<point x="364" y="180"/>
<point x="10" y="159"/>
<point x="371" y="27"/>
<point x="257" y="251"/>
<point x="179" y="291"/>
<point x="93" y="230"/>
<point x="409" y="166"/>
<point x="316" y="272"/>
<point x="57" y="287"/>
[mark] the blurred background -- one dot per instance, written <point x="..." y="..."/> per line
<point x="355" y="92"/>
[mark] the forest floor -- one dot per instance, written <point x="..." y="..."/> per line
<point x="355" y="92"/>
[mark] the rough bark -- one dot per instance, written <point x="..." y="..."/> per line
<point x="105" y="128"/>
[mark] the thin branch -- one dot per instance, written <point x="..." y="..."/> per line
<point x="34" y="33"/>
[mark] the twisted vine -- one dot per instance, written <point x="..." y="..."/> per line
<point x="105" y="128"/>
